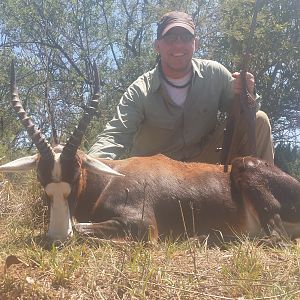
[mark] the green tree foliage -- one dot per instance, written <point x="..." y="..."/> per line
<point x="55" y="43"/>
<point x="274" y="60"/>
<point x="287" y="158"/>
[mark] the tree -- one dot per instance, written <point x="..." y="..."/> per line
<point x="274" y="61"/>
<point x="287" y="158"/>
<point x="55" y="43"/>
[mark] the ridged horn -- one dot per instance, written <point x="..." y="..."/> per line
<point x="74" y="141"/>
<point x="40" y="142"/>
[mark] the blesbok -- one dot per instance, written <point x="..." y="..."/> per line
<point x="149" y="197"/>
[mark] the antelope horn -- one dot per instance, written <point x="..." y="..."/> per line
<point x="40" y="142"/>
<point x="74" y="141"/>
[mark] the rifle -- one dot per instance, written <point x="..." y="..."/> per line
<point x="243" y="104"/>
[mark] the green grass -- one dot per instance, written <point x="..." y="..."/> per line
<point x="92" y="269"/>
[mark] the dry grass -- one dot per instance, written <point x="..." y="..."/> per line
<point x="89" y="269"/>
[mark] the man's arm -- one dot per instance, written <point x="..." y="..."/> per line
<point x="118" y="135"/>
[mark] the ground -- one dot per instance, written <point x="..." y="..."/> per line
<point x="93" y="269"/>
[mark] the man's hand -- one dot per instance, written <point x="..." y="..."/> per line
<point x="237" y="83"/>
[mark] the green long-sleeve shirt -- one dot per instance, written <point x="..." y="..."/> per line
<point x="147" y="122"/>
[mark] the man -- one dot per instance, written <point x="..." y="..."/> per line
<point x="173" y="108"/>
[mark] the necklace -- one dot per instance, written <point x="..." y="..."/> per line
<point x="171" y="83"/>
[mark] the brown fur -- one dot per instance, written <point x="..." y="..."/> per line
<point x="162" y="197"/>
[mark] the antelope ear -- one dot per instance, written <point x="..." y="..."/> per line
<point x="21" y="164"/>
<point x="98" y="167"/>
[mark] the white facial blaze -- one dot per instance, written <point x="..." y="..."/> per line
<point x="56" y="172"/>
<point x="60" y="226"/>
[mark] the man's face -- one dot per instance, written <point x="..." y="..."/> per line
<point x="176" y="49"/>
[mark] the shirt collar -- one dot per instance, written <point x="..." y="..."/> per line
<point x="197" y="67"/>
<point x="156" y="77"/>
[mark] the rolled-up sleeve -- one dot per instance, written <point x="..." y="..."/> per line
<point x="118" y="135"/>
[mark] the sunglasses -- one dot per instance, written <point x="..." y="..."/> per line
<point x="173" y="37"/>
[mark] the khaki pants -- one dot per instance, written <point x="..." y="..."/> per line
<point x="264" y="144"/>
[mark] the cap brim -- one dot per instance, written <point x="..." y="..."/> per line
<point x="178" y="24"/>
